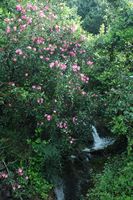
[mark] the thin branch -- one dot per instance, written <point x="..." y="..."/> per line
<point x="6" y="167"/>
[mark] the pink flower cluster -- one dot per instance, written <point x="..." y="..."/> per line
<point x="57" y="28"/>
<point x="62" y="66"/>
<point x="8" y="29"/>
<point x="30" y="48"/>
<point x="74" y="119"/>
<point x="16" y="186"/>
<point x="23" y="27"/>
<point x="40" y="101"/>
<point x="28" y="19"/>
<point x="84" y="78"/>
<point x="36" y="87"/>
<point x="73" y="28"/>
<point x="72" y="54"/>
<point x="41" y="14"/>
<point x="39" y="40"/>
<point x="89" y="62"/>
<point x="48" y="117"/>
<point x="19" y="8"/>
<point x="82" y="51"/>
<point x="50" y="48"/>
<point x="75" y="68"/>
<point x="19" y="52"/>
<point x="3" y="175"/>
<point x="20" y="172"/>
<point x="31" y="7"/>
<point x="62" y="125"/>
<point x="11" y="83"/>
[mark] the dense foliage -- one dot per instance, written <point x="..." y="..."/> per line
<point x="115" y="182"/>
<point x="92" y="13"/>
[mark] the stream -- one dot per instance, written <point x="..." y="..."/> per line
<point x="76" y="174"/>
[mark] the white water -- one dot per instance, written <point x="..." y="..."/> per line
<point x="59" y="191"/>
<point x="100" y="143"/>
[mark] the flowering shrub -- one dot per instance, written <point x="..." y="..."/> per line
<point x="23" y="183"/>
<point x="44" y="79"/>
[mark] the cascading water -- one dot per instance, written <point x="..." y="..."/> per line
<point x="69" y="186"/>
<point x="59" y="192"/>
<point x="96" y="137"/>
<point x="100" y="143"/>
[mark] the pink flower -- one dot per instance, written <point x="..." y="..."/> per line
<point x="20" y="171"/>
<point x="11" y="83"/>
<point x="34" y="8"/>
<point x="29" y="21"/>
<point x="7" y="20"/>
<point x="56" y="63"/>
<point x="22" y="27"/>
<point x="40" y="101"/>
<point x="41" y="57"/>
<point x="51" y="65"/>
<point x="82" y="51"/>
<point x="8" y="29"/>
<point x="47" y="59"/>
<point x="74" y="119"/>
<point x="78" y="45"/>
<point x="41" y="14"/>
<point x="62" y="125"/>
<point x="39" y="40"/>
<point x="23" y="11"/>
<point x="31" y="7"/>
<point x="75" y="68"/>
<point x="63" y="66"/>
<point x="19" y="52"/>
<point x="84" y="78"/>
<point x="19" y="8"/>
<point x="36" y="87"/>
<point x="24" y="17"/>
<point x="89" y="63"/>
<point x="48" y="117"/>
<point x="46" y="7"/>
<point x="73" y="28"/>
<point x="14" y="28"/>
<point x="72" y="53"/>
<point x="57" y="28"/>
<point x="14" y="59"/>
<point x="3" y="175"/>
<point x="83" y="93"/>
<point x="34" y="49"/>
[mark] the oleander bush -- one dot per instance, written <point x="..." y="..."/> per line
<point x="46" y="104"/>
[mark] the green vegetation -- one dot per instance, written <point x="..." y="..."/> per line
<point x="115" y="183"/>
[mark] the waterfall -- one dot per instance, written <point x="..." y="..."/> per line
<point x="100" y="143"/>
<point x="96" y="137"/>
<point x="59" y="192"/>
